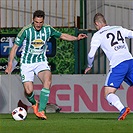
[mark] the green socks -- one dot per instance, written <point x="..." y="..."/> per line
<point x="44" y="95"/>
<point x="31" y="98"/>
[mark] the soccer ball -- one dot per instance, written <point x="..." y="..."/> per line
<point x="19" y="114"/>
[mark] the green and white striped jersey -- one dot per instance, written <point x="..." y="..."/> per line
<point x="34" y="42"/>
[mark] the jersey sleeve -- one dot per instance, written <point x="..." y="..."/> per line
<point x="20" y="37"/>
<point x="128" y="33"/>
<point x="55" y="33"/>
<point x="91" y="55"/>
<point x="95" y="41"/>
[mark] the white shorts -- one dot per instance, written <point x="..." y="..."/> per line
<point x="28" y="71"/>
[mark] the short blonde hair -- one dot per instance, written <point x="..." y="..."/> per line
<point x="99" y="18"/>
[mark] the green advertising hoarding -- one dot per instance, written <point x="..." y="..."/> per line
<point x="61" y="58"/>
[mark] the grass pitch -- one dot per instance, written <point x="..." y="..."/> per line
<point x="68" y="123"/>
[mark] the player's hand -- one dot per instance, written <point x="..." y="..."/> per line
<point x="87" y="69"/>
<point x="82" y="36"/>
<point x="9" y="68"/>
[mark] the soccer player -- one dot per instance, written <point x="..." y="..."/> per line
<point x="34" y="60"/>
<point x="111" y="39"/>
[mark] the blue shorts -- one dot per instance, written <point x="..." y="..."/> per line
<point x="120" y="73"/>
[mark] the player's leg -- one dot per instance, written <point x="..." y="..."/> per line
<point x="45" y="77"/>
<point x="27" y="76"/>
<point x="44" y="74"/>
<point x="28" y="87"/>
<point x="113" y="81"/>
<point x="112" y="98"/>
<point x="29" y="93"/>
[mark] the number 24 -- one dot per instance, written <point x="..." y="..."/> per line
<point x="119" y="38"/>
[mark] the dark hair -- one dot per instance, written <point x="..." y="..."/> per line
<point x="99" y="18"/>
<point x="39" y="14"/>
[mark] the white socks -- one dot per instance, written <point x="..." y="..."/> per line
<point x="114" y="100"/>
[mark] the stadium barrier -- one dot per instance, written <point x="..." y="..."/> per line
<point x="72" y="93"/>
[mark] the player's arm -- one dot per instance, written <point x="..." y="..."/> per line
<point x="90" y="58"/>
<point x="130" y="35"/>
<point x="127" y="33"/>
<point x="72" y="38"/>
<point x="11" y="57"/>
